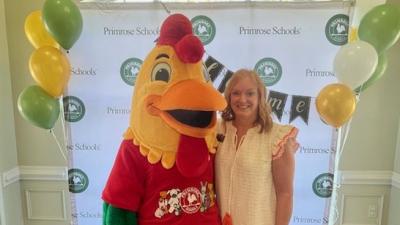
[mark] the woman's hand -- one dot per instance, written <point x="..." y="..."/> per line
<point x="291" y="145"/>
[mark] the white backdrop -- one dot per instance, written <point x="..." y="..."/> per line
<point x="302" y="38"/>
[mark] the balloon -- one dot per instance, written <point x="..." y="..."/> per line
<point x="63" y="20"/>
<point x="36" y="106"/>
<point x="355" y="62"/>
<point x="336" y="104"/>
<point x="50" y="69"/>
<point x="379" y="71"/>
<point x="36" y="32"/>
<point x="353" y="34"/>
<point x="381" y="27"/>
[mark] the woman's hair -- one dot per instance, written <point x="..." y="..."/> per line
<point x="264" y="109"/>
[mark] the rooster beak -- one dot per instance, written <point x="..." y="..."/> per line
<point x="188" y="106"/>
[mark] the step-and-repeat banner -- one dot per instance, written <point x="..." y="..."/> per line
<point x="292" y="49"/>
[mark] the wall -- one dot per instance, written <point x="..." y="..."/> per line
<point x="10" y="200"/>
<point x="394" y="216"/>
<point x="41" y="168"/>
<point x="396" y="167"/>
<point x="367" y="164"/>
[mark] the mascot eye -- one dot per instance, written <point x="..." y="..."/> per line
<point x="205" y="73"/>
<point x="161" y="72"/>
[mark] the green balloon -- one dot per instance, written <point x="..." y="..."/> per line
<point x="381" y="27"/>
<point x="63" y="21"/>
<point x="378" y="73"/>
<point x="38" y="107"/>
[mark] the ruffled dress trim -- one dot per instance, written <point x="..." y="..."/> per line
<point x="282" y="135"/>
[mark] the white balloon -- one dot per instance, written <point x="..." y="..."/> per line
<point x="355" y="63"/>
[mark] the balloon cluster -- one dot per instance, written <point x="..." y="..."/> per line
<point x="359" y="63"/>
<point x="58" y="24"/>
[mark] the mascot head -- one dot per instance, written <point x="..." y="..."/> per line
<point x="174" y="105"/>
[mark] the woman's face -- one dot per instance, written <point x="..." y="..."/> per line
<point x="244" y="99"/>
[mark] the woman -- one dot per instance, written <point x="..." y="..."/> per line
<point x="255" y="157"/>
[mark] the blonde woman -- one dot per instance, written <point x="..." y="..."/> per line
<point x="255" y="157"/>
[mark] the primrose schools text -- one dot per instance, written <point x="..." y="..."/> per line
<point x="111" y="31"/>
<point x="269" y="31"/>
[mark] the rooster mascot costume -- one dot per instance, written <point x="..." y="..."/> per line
<point x="163" y="172"/>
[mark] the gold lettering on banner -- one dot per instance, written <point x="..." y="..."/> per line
<point x="274" y="101"/>
<point x="300" y="106"/>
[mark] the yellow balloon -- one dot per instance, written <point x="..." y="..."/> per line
<point x="336" y="104"/>
<point x="50" y="69"/>
<point x="353" y="34"/>
<point x="36" y="32"/>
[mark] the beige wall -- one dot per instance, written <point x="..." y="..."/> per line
<point x="10" y="200"/>
<point x="371" y="148"/>
<point x="396" y="167"/>
<point x="373" y="136"/>
<point x="44" y="201"/>
<point x="356" y="200"/>
<point x="394" y="216"/>
<point x="35" y="145"/>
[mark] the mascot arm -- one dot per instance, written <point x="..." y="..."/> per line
<point x="124" y="189"/>
<point x="117" y="216"/>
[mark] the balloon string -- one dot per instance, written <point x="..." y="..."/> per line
<point x="346" y="132"/>
<point x="59" y="146"/>
<point x="334" y="212"/>
<point x="66" y="138"/>
<point x="336" y="182"/>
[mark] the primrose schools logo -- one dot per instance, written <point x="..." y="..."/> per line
<point x="78" y="181"/>
<point x="130" y="69"/>
<point x="323" y="185"/>
<point x="204" y="28"/>
<point x="74" y="109"/>
<point x="269" y="70"/>
<point x="336" y="29"/>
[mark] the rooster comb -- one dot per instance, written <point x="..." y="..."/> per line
<point x="176" y="31"/>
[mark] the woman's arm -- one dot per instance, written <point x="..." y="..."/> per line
<point x="283" y="173"/>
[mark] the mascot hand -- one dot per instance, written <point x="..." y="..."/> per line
<point x="117" y="216"/>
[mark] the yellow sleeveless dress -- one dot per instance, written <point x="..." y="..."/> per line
<point x="244" y="183"/>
